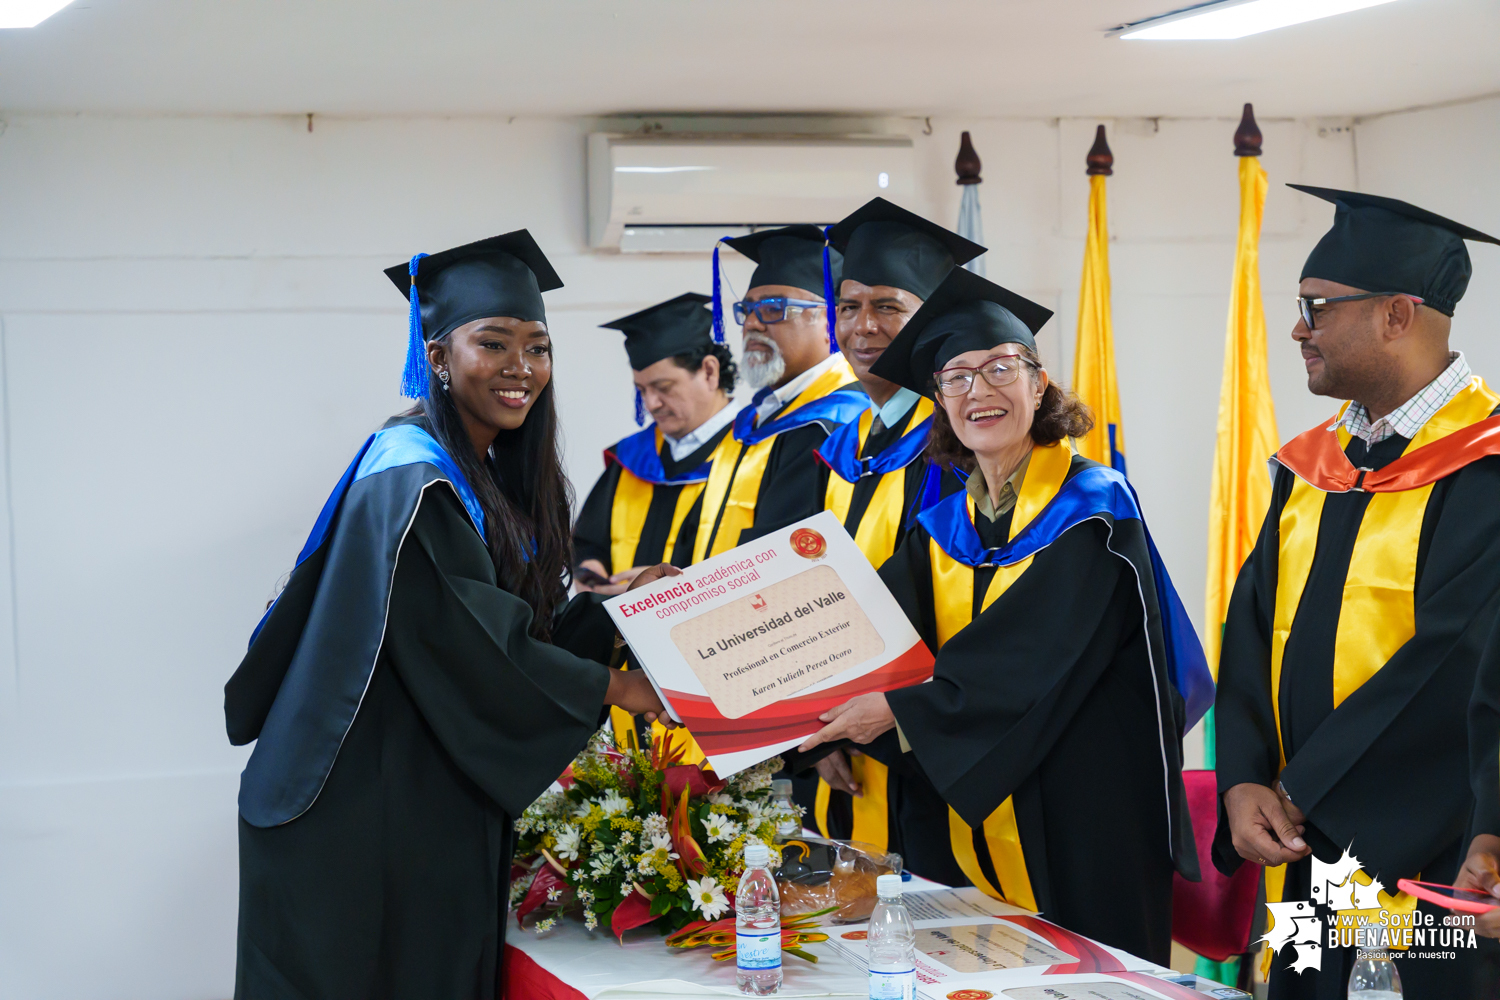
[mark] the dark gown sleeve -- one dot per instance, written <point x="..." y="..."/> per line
<point x="907" y="574"/>
<point x="793" y="485"/>
<point x="1007" y="686"/>
<point x="1484" y="740"/>
<point x="1246" y="745"/>
<point x="1247" y="748"/>
<point x="591" y="530"/>
<point x="510" y="710"/>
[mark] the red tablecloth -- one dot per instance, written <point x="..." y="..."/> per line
<point x="523" y="979"/>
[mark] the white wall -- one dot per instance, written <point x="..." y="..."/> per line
<point x="196" y="336"/>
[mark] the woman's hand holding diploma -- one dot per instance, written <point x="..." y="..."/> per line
<point x="860" y="719"/>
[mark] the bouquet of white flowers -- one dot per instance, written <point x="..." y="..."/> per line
<point x="637" y="837"/>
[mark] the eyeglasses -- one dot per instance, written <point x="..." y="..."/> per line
<point x="1001" y="370"/>
<point x="1305" y="305"/>
<point x="772" y="310"/>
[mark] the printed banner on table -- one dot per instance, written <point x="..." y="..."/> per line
<point x="969" y="945"/>
<point x="748" y="648"/>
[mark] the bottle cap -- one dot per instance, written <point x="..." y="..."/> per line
<point x="781" y="786"/>
<point x="757" y="854"/>
<point x="888" y="885"/>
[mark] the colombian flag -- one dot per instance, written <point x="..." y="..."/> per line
<point x="1094" y="355"/>
<point x="1247" y="420"/>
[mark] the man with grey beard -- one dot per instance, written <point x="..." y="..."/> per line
<point x="765" y="475"/>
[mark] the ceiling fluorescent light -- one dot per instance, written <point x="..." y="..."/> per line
<point x="28" y="13"/>
<point x="1225" y="19"/>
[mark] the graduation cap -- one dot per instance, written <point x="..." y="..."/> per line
<point x="676" y="326"/>
<point x="791" y="255"/>
<point x="501" y="276"/>
<point x="1385" y="245"/>
<point x="884" y="244"/>
<point x="797" y="256"/>
<point x="664" y="330"/>
<point x="964" y="313"/>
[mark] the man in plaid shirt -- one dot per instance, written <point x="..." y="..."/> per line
<point x="1355" y="630"/>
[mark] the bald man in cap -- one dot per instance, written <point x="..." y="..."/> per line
<point x="1354" y="631"/>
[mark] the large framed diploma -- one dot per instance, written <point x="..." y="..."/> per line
<point x="748" y="648"/>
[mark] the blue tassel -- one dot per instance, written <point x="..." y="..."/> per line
<point x="718" y="316"/>
<point x="828" y="307"/>
<point x="640" y="408"/>
<point x="414" y="375"/>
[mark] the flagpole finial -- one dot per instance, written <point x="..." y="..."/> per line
<point x="1100" y="160"/>
<point x="1247" y="137"/>
<point x="967" y="165"/>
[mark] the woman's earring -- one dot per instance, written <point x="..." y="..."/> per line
<point x="443" y="378"/>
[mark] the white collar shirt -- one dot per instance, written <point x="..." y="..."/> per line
<point x="1408" y="418"/>
<point x="699" y="436"/>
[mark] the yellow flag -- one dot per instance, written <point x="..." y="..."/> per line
<point x="1247" y="419"/>
<point x="1094" y="354"/>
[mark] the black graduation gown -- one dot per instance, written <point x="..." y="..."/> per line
<point x="1047" y="696"/>
<point x="1388" y="771"/>
<point x="793" y="484"/>
<point x="841" y="804"/>
<point x="591" y="532"/>
<point x="393" y="884"/>
<point x="1484" y="740"/>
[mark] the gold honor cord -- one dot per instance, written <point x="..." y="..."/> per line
<point x="953" y="606"/>
<point x="627" y="519"/>
<point x="1377" y="613"/>
<point x="734" y="481"/>
<point x="871" y="806"/>
<point x="820" y="808"/>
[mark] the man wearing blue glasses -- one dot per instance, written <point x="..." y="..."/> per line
<point x="1356" y="626"/>
<point x="764" y="473"/>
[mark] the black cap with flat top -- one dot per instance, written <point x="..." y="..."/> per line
<point x="1381" y="244"/>
<point x="676" y="326"/>
<point x="964" y="313"/>
<point x="884" y="244"/>
<point x="500" y="276"/>
<point x="791" y="255"/>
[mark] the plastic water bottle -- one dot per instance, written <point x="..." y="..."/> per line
<point x="1374" y="977"/>
<point x="893" y="944"/>
<point x="757" y="925"/>
<point x="787" y="827"/>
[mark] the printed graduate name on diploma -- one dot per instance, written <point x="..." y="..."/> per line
<point x="770" y="644"/>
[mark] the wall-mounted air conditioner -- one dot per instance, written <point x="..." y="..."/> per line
<point x="681" y="193"/>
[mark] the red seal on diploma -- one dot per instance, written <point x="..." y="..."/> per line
<point x="855" y="935"/>
<point x="808" y="544"/>
<point x="971" y="995"/>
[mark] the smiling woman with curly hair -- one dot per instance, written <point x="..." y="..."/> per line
<point x="1055" y="696"/>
